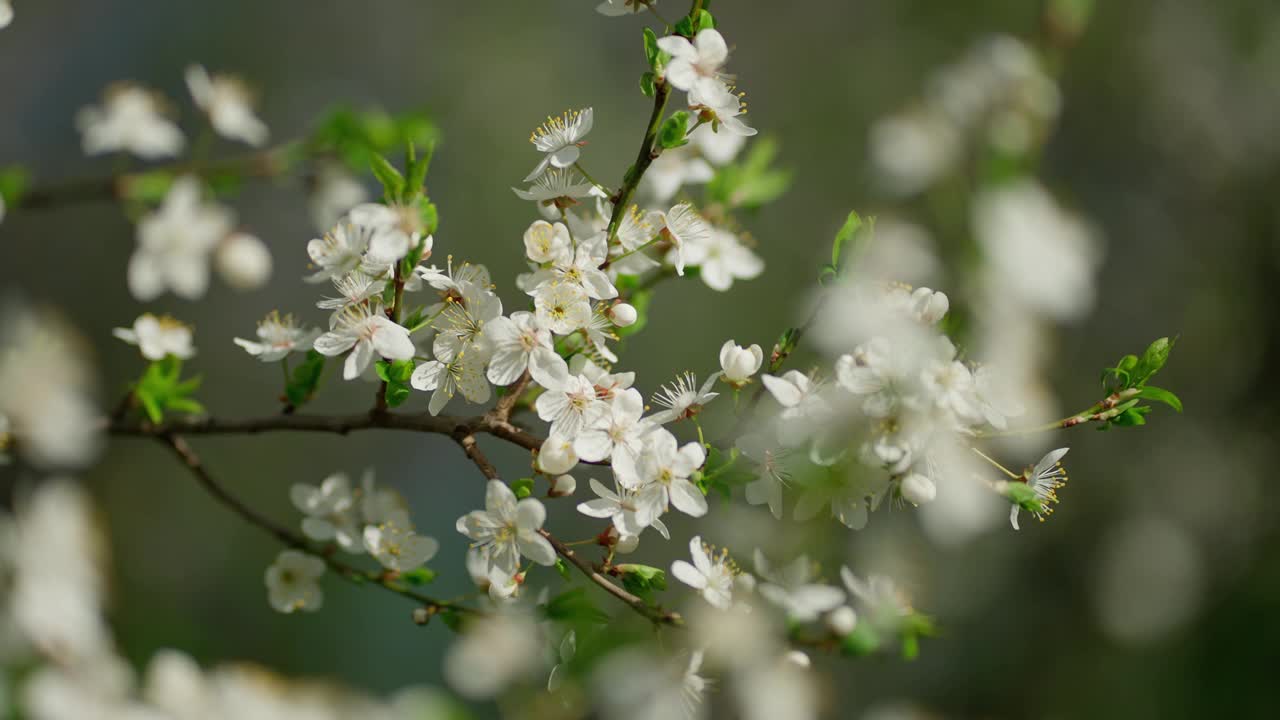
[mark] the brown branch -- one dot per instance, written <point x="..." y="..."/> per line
<point x="502" y="410"/>
<point x="655" y="614"/>
<point x="192" y="462"/>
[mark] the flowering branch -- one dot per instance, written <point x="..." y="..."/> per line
<point x="655" y="614"/>
<point x="192" y="461"/>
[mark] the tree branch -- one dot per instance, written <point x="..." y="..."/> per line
<point x="655" y="614"/>
<point x="192" y="461"/>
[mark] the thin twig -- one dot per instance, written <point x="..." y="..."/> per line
<point x="654" y="614"/>
<point x="192" y="461"/>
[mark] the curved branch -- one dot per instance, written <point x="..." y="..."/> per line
<point x="192" y="462"/>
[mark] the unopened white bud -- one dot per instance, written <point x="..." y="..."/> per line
<point x="740" y="363"/>
<point x="556" y="456"/>
<point x="627" y="544"/>
<point x="842" y="620"/>
<point x="797" y="658"/>
<point x="622" y="314"/>
<point x="918" y="489"/>
<point x="929" y="305"/>
<point x="243" y="261"/>
<point x="563" y="485"/>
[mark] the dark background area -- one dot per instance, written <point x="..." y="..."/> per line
<point x="1151" y="592"/>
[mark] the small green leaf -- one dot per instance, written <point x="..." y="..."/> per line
<point x="391" y="179"/>
<point x="563" y="569"/>
<point x="647" y="84"/>
<point x="651" y="49"/>
<point x="1151" y="392"/>
<point x="1153" y="359"/>
<point x="704" y="21"/>
<point x="416" y="170"/>
<point x="419" y="576"/>
<point x="672" y="133"/>
<point x="574" y="605"/>
<point x="305" y="379"/>
<point x="864" y="640"/>
<point x="643" y="580"/>
<point x="147" y="187"/>
<point x="522" y="487"/>
<point x="13" y="184"/>
<point x="850" y="228"/>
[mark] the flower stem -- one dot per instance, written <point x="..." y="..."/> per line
<point x="991" y="460"/>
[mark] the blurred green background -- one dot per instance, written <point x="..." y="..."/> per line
<point x="1152" y="592"/>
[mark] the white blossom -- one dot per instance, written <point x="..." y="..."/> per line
<point x="131" y="119"/>
<point x="364" y="330"/>
<point x="497" y="650"/>
<point x="793" y="589"/>
<point x="544" y="242"/>
<point x="228" y="103"/>
<point x="570" y="404"/>
<point x="713" y="576"/>
<point x="157" y="337"/>
<point x="331" y="512"/>
<point x="560" y="138"/>
<point x="243" y="261"/>
<point x="695" y="66"/>
<point x="174" y="244"/>
<point x="291" y="582"/>
<point x="1044" y="480"/>
<point x="562" y="307"/>
<point x="620" y="426"/>
<point x="738" y="364"/>
<point x="508" y="528"/>
<point x="660" y="475"/>
<point x="618" y="505"/>
<point x="684" y="227"/>
<point x="463" y="372"/>
<point x="721" y="258"/>
<point x="518" y="343"/>
<point x="278" y="337"/>
<point x="683" y="398"/>
<point x="398" y="547"/>
<point x="554" y="184"/>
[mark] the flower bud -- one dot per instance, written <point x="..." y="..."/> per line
<point x="556" y="456"/>
<point x="929" y="305"/>
<point x="842" y="620"/>
<point x="740" y="363"/>
<point x="918" y="489"/>
<point x="627" y="544"/>
<point x="243" y="261"/>
<point x="797" y="658"/>
<point x="622" y="314"/>
<point x="562" y="486"/>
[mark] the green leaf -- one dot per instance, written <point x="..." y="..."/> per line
<point x="522" y="488"/>
<point x="416" y="170"/>
<point x="13" y="184"/>
<point x="574" y="605"/>
<point x="161" y="389"/>
<point x="1151" y="392"/>
<point x="704" y="21"/>
<point x="852" y="224"/>
<point x="147" y="187"/>
<point x="305" y="379"/>
<point x="750" y="182"/>
<point x="396" y="394"/>
<point x="419" y="576"/>
<point x="642" y="580"/>
<point x="387" y="174"/>
<point x="672" y="133"/>
<point x="864" y="640"/>
<point x="1153" y="359"/>
<point x="563" y="569"/>
<point x="651" y="50"/>
<point x="647" y="84"/>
